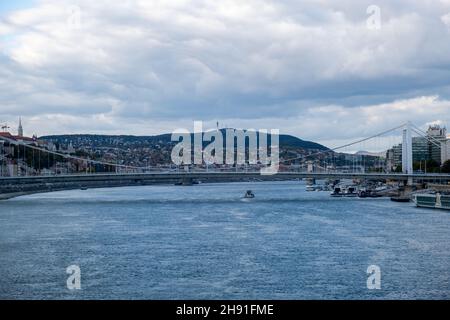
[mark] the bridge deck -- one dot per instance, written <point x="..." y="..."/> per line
<point x="212" y="175"/>
<point x="16" y="186"/>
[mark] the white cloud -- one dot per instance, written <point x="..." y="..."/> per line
<point x="446" y="19"/>
<point x="142" y="66"/>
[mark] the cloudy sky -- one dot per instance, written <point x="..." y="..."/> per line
<point x="327" y="71"/>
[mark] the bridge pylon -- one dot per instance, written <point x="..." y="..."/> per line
<point x="407" y="152"/>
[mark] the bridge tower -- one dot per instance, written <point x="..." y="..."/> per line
<point x="407" y="152"/>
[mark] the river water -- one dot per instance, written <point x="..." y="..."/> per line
<point x="205" y="242"/>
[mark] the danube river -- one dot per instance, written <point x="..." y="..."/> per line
<point x="205" y="242"/>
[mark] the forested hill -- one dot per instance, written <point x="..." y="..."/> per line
<point x="77" y="140"/>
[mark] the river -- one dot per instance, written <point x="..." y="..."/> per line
<point x="206" y="242"/>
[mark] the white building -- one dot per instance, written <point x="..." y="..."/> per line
<point x="439" y="135"/>
<point x="445" y="150"/>
<point x="437" y="131"/>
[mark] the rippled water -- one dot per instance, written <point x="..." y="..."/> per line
<point x="205" y="242"/>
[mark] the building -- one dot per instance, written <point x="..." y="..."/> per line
<point x="421" y="152"/>
<point x="6" y="165"/>
<point x="2" y="158"/>
<point x="433" y="147"/>
<point x="390" y="160"/>
<point x="20" y="136"/>
<point x="397" y="151"/>
<point x="70" y="148"/>
<point x="445" y="150"/>
<point x="7" y="135"/>
<point x="421" y="149"/>
<point x="9" y="144"/>
<point x="437" y="132"/>
<point x="437" y="135"/>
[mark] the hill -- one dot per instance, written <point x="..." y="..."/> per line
<point x="111" y="141"/>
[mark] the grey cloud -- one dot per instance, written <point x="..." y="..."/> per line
<point x="168" y="61"/>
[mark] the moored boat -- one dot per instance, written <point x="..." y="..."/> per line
<point x="349" y="191"/>
<point x="314" y="188"/>
<point x="369" y="194"/>
<point x="401" y="199"/>
<point x="433" y="200"/>
<point x="337" y="192"/>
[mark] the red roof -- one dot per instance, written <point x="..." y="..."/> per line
<point x="23" y="138"/>
<point x="16" y="138"/>
<point x="7" y="135"/>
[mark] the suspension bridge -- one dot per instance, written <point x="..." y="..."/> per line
<point x="29" y="168"/>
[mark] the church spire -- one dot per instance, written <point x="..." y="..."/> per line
<point x="20" y="130"/>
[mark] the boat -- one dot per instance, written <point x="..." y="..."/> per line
<point x="369" y="194"/>
<point x="249" y="194"/>
<point x="337" y="192"/>
<point x="314" y="188"/>
<point x="349" y="191"/>
<point x="401" y="199"/>
<point x="433" y="200"/>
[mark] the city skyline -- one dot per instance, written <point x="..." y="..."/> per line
<point x="151" y="68"/>
<point x="381" y="146"/>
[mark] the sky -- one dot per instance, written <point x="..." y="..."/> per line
<point x="326" y="71"/>
<point x="7" y="5"/>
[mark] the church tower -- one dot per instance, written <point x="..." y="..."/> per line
<point x="20" y="130"/>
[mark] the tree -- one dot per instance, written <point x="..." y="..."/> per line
<point x="446" y="167"/>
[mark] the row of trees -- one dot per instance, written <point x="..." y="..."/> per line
<point x="446" y="167"/>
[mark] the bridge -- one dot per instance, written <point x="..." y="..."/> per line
<point x="18" y="186"/>
<point x="311" y="166"/>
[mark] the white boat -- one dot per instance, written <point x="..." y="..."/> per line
<point x="345" y="191"/>
<point x="315" y="187"/>
<point x="249" y="194"/>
